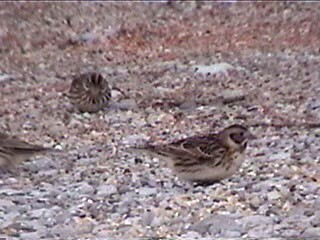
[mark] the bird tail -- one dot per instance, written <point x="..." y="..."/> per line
<point x="36" y="149"/>
<point x="145" y="150"/>
<point x="148" y="151"/>
<point x="138" y="149"/>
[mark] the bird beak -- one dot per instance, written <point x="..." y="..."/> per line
<point x="251" y="136"/>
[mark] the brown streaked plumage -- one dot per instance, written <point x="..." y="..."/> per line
<point x="90" y="92"/>
<point x="14" y="151"/>
<point x="206" y="158"/>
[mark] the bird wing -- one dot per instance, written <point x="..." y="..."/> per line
<point x="204" y="148"/>
<point x="16" y="145"/>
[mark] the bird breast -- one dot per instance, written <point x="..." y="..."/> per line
<point x="206" y="172"/>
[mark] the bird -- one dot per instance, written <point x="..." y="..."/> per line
<point x="14" y="150"/>
<point x="204" y="159"/>
<point x="90" y="92"/>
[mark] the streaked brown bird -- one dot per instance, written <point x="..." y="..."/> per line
<point x="90" y="92"/>
<point x="14" y="151"/>
<point x="204" y="159"/>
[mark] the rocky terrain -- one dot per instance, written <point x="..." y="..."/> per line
<point x="176" y="70"/>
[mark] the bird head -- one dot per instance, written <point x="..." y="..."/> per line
<point x="236" y="136"/>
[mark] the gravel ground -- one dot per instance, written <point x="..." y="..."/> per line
<point x="182" y="69"/>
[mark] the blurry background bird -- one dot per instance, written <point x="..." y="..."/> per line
<point x="90" y="92"/>
<point x="204" y="159"/>
<point x="14" y="151"/>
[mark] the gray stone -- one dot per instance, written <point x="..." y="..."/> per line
<point x="49" y="222"/>
<point x="264" y="186"/>
<point x="126" y="204"/>
<point x="309" y="188"/>
<point x="42" y="165"/>
<point x="6" y="203"/>
<point x="6" y="77"/>
<point x="72" y="228"/>
<point x="52" y="192"/>
<point x="286" y="171"/>
<point x="10" y="192"/>
<point x="49" y="173"/>
<point x="126" y="104"/>
<point x="231" y="234"/>
<point x="229" y="96"/>
<point x="89" y="160"/>
<point x="279" y="156"/>
<point x="316" y="204"/>
<point x="4" y="237"/>
<point x="10" y="217"/>
<point x="216" y="225"/>
<point x="34" y="224"/>
<point x="11" y="180"/>
<point x="255" y="220"/>
<point x="106" y="190"/>
<point x="217" y="68"/>
<point x="105" y="234"/>
<point x="152" y="183"/>
<point x="274" y="195"/>
<point x="188" y="105"/>
<point x="43" y="232"/>
<point x="37" y="213"/>
<point x="88" y="37"/>
<point x="315" y="220"/>
<point x="63" y="231"/>
<point x="261" y="231"/>
<point x="312" y="232"/>
<point x="255" y="202"/>
<point x="100" y="227"/>
<point x="147" y="191"/>
<point x="191" y="235"/>
<point x="21" y="209"/>
<point x="62" y="217"/>
<point x="135" y="139"/>
<point x="298" y="220"/>
<point x="123" y="189"/>
<point x="290" y="233"/>
<point x="21" y="226"/>
<point x="85" y="188"/>
<point x="147" y="218"/>
<point x="29" y="235"/>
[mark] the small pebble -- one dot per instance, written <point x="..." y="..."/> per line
<point x="106" y="190"/>
<point x="146" y="191"/>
